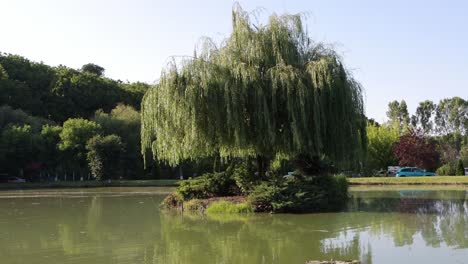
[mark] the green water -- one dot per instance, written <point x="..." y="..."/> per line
<point x="125" y="225"/>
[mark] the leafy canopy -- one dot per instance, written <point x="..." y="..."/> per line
<point x="381" y="141"/>
<point x="267" y="90"/>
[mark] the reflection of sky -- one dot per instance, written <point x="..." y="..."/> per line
<point x="126" y="227"/>
<point x="383" y="250"/>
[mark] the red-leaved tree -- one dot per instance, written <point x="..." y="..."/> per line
<point x="414" y="149"/>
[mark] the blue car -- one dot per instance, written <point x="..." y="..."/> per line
<point x="413" y="172"/>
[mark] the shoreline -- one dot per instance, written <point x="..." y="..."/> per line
<point x="421" y="181"/>
<point x="88" y="184"/>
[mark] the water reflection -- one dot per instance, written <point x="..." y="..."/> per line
<point x="131" y="229"/>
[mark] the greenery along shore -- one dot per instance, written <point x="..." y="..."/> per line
<point x="433" y="180"/>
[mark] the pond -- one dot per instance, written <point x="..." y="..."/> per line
<point x="125" y="225"/>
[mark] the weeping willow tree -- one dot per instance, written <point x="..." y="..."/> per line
<point x="266" y="91"/>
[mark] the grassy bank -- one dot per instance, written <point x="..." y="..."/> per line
<point x="87" y="184"/>
<point x="433" y="180"/>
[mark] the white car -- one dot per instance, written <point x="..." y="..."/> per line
<point x="16" y="179"/>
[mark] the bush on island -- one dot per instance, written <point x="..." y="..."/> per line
<point x="309" y="194"/>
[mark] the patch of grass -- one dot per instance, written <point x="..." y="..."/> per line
<point x="432" y="180"/>
<point x="194" y="205"/>
<point x="87" y="184"/>
<point x="224" y="207"/>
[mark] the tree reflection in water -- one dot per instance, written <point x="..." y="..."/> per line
<point x="132" y="229"/>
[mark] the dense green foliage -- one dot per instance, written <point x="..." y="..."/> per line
<point x="104" y="155"/>
<point x="124" y="121"/>
<point x="267" y="90"/>
<point x="59" y="93"/>
<point x="381" y="141"/>
<point x="208" y="185"/>
<point x="310" y="194"/>
<point x="447" y="169"/>
<point x="48" y="115"/>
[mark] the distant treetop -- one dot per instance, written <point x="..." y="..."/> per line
<point x="93" y="68"/>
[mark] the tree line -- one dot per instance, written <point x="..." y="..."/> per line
<point x="72" y="123"/>
<point x="435" y="137"/>
<point x="67" y="123"/>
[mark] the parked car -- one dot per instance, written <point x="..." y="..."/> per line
<point x="16" y="179"/>
<point x="413" y="172"/>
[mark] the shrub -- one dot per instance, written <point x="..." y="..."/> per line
<point x="447" y="169"/>
<point x="310" y="194"/>
<point x="244" y="176"/>
<point x="460" y="171"/>
<point x="172" y="201"/>
<point x="208" y="185"/>
<point x="229" y="208"/>
<point x="193" y="188"/>
<point x="194" y="205"/>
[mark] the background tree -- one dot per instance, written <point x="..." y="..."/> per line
<point x="18" y="147"/>
<point x="381" y="141"/>
<point x="398" y="115"/>
<point x="124" y="121"/>
<point x="464" y="154"/>
<point x="93" y="69"/>
<point x="50" y="153"/>
<point x="268" y="90"/>
<point x="414" y="149"/>
<point x="73" y="138"/>
<point x="422" y="118"/>
<point x="452" y="116"/>
<point x="104" y="156"/>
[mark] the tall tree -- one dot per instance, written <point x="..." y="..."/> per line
<point x="423" y="117"/>
<point x="18" y="147"/>
<point x="104" y="156"/>
<point x="381" y="141"/>
<point x="452" y="116"/>
<point x="73" y="138"/>
<point x="398" y="115"/>
<point x="124" y="121"/>
<point x="268" y="90"/>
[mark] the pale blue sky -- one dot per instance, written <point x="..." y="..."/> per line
<point x="412" y="50"/>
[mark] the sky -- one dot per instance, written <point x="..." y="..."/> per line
<point x="412" y="50"/>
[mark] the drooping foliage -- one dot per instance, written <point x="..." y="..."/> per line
<point x="267" y="90"/>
